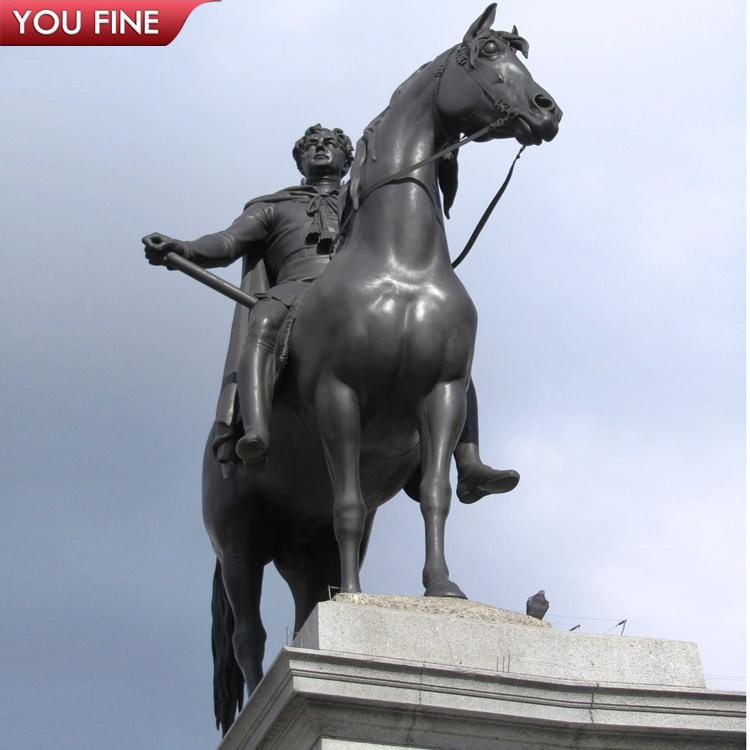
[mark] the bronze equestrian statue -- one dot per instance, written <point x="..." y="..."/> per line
<point x="288" y="237"/>
<point x="375" y="394"/>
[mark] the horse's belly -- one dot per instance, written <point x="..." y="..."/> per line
<point x="296" y="483"/>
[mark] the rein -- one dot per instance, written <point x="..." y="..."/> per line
<point x="487" y="213"/>
<point x="408" y="170"/>
<point x="447" y="150"/>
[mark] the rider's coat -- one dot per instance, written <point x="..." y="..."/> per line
<point x="292" y="231"/>
<point x="286" y="241"/>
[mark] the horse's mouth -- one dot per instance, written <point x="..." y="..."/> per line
<point x="525" y="134"/>
<point x="533" y="132"/>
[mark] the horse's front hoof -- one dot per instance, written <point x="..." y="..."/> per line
<point x="445" y="588"/>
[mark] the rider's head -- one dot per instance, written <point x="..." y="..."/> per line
<point x="323" y="153"/>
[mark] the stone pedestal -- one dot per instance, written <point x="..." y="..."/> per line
<point x="386" y="673"/>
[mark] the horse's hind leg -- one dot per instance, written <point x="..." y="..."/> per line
<point x="310" y="571"/>
<point x="337" y="412"/>
<point x="441" y="422"/>
<point x="243" y="579"/>
<point x="241" y="536"/>
<point x="314" y="573"/>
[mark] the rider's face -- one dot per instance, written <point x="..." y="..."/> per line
<point x="322" y="156"/>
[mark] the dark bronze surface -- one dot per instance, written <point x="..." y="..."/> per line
<point x="377" y="389"/>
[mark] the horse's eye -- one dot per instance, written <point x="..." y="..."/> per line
<point x="490" y="48"/>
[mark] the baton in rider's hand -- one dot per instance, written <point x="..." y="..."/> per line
<point x="166" y="251"/>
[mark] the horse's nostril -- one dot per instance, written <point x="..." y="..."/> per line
<point x="543" y="101"/>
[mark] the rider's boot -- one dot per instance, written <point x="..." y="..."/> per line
<point x="475" y="478"/>
<point x="255" y="381"/>
<point x="252" y="448"/>
<point x="255" y="390"/>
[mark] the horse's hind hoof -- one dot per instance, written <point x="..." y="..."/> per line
<point x="445" y="588"/>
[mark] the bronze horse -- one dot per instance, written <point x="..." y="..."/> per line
<point x="379" y="364"/>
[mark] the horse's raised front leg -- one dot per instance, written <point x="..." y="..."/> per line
<point x="337" y="412"/>
<point x="441" y="422"/>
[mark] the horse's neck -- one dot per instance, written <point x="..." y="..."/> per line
<point x="398" y="213"/>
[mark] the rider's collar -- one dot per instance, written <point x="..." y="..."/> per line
<point x="323" y="185"/>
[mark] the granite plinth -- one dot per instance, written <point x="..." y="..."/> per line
<point x="385" y="674"/>
<point x="467" y="634"/>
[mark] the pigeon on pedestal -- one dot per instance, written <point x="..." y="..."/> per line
<point x="537" y="605"/>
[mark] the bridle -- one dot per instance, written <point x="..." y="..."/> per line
<point x="507" y="112"/>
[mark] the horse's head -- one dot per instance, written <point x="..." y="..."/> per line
<point x="482" y="81"/>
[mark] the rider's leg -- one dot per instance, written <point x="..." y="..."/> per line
<point x="477" y="479"/>
<point x="255" y="378"/>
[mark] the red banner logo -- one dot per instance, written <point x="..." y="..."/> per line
<point x="91" y="22"/>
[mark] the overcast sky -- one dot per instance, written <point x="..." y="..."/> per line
<point x="610" y="361"/>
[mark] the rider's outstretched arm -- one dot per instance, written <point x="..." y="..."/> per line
<point x="245" y="236"/>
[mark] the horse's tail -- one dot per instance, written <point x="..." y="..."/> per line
<point x="229" y="681"/>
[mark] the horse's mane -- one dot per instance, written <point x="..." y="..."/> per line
<point x="466" y="53"/>
<point x="367" y="144"/>
<point x="367" y="150"/>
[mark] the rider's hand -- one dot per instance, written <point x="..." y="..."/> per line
<point x="157" y="247"/>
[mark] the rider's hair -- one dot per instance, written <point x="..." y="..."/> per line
<point x="342" y="141"/>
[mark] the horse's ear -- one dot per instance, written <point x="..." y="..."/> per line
<point x="481" y="24"/>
